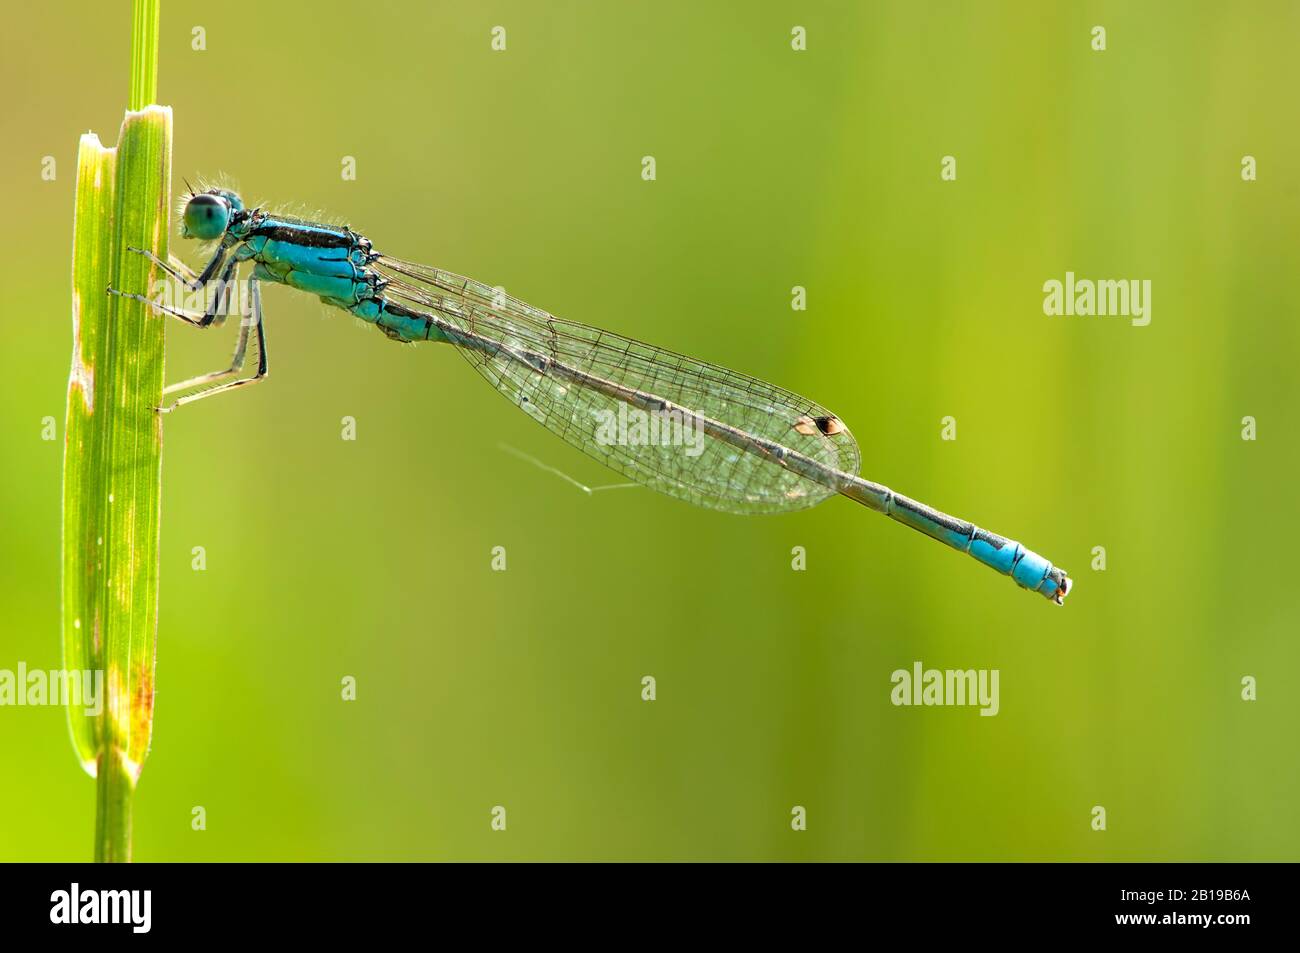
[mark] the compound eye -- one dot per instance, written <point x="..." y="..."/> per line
<point x="206" y="217"/>
<point x="232" y="199"/>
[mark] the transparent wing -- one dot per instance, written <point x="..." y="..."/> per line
<point x="590" y="387"/>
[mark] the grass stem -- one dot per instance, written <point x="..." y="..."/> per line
<point x="112" y="466"/>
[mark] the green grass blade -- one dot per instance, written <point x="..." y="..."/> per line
<point x="92" y="265"/>
<point x="113" y="458"/>
<point x="144" y="53"/>
<point x="133" y="461"/>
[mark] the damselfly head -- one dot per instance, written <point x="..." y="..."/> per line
<point x="207" y="215"/>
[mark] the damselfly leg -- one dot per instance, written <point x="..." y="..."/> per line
<point x="182" y="272"/>
<point x="173" y="266"/>
<point x="236" y="362"/>
<point x="214" y="315"/>
<point x="253" y="319"/>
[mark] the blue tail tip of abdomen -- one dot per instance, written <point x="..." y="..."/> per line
<point x="1042" y="577"/>
<point x="1032" y="571"/>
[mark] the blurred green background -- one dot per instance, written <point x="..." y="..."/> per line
<point x="775" y="168"/>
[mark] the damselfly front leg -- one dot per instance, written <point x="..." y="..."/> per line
<point x="213" y="315"/>
<point x="182" y="272"/>
<point x="173" y="266"/>
<point x="254" y="319"/>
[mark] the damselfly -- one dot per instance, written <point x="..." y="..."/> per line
<point x="734" y="443"/>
